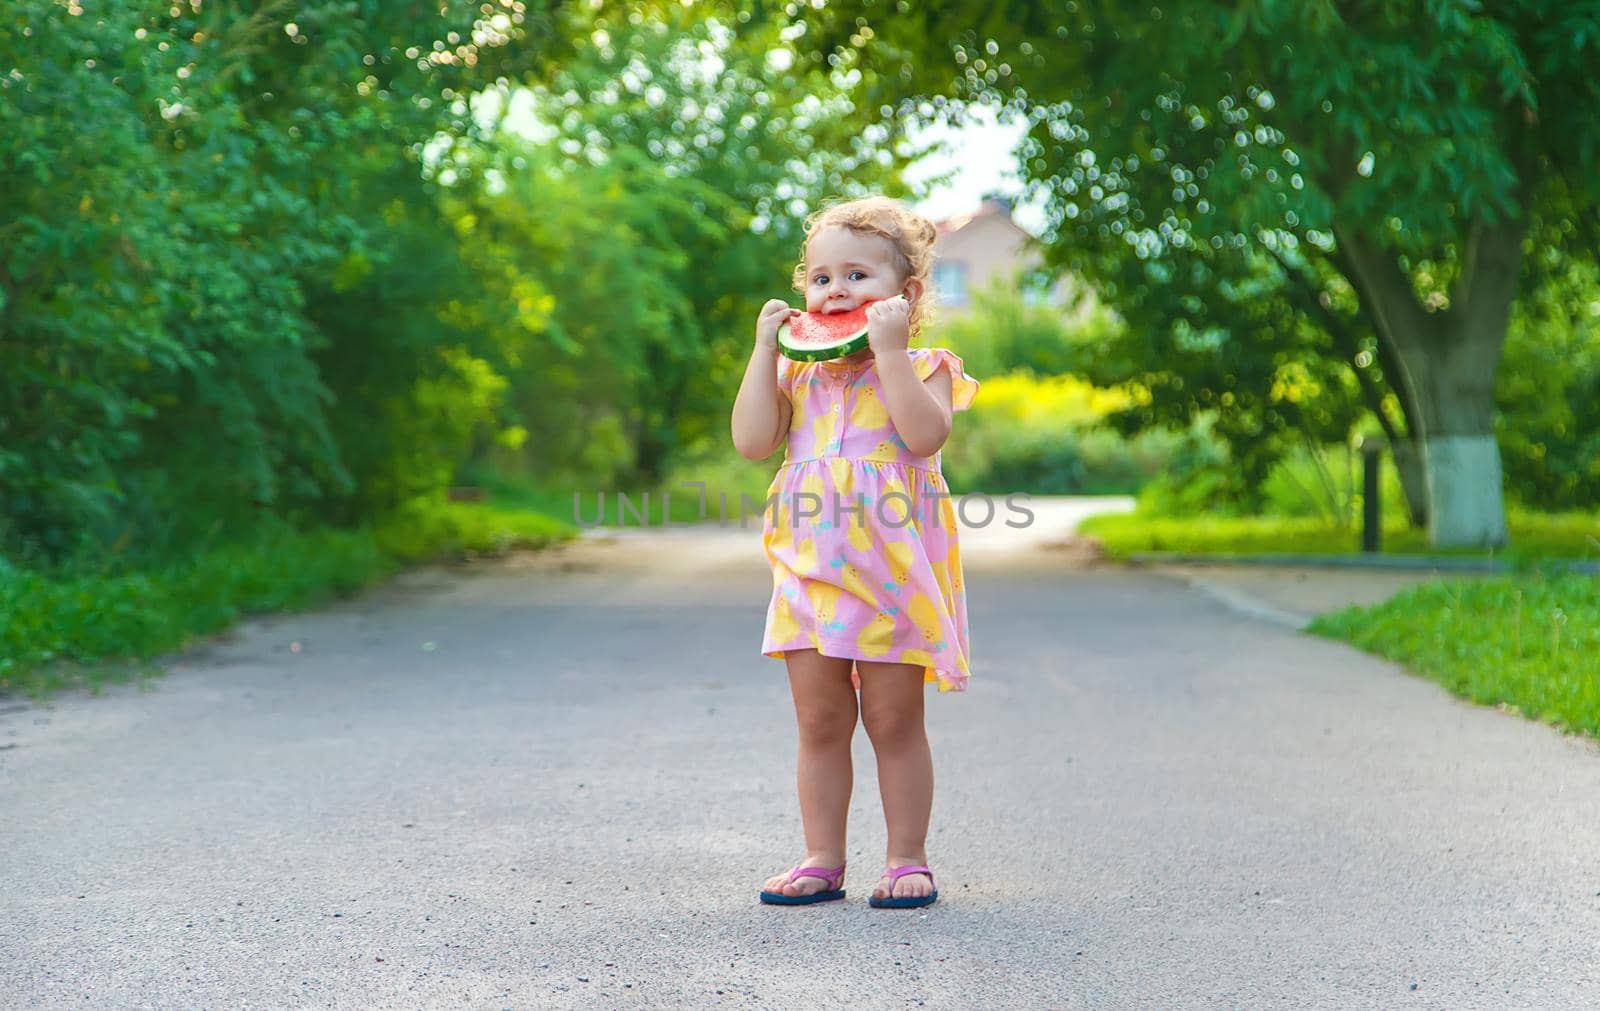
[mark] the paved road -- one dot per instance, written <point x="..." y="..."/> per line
<point x="556" y="781"/>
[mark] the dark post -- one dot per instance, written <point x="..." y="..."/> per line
<point x="1371" y="514"/>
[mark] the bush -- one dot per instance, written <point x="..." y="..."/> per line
<point x="1195" y="479"/>
<point x="1040" y="434"/>
<point x="1006" y="331"/>
<point x="1548" y="393"/>
<point x="1325" y="482"/>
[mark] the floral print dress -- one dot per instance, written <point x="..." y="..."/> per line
<point x="861" y="532"/>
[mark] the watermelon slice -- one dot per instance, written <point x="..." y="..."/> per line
<point x="820" y="336"/>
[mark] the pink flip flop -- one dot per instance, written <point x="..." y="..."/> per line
<point x="911" y="901"/>
<point x="834" y="878"/>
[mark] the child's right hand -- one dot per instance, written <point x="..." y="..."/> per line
<point x="773" y="315"/>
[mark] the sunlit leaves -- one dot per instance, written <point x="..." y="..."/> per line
<point x="177" y="178"/>
<point x="672" y="154"/>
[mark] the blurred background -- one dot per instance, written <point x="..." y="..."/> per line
<point x="294" y="294"/>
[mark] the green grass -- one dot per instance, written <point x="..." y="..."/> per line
<point x="59" y="631"/>
<point x="1529" y="643"/>
<point x="1533" y="536"/>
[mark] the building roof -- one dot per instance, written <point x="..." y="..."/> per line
<point x="987" y="209"/>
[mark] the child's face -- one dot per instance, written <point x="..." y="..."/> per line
<point x="845" y="270"/>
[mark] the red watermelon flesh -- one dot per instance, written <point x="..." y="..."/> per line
<point x="820" y="336"/>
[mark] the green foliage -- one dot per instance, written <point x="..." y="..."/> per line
<point x="1243" y="339"/>
<point x="1008" y="329"/>
<point x="659" y="204"/>
<point x="730" y="480"/>
<point x="1549" y="392"/>
<point x="1123" y="535"/>
<point x="1035" y="427"/>
<point x="424" y="529"/>
<point x="1325" y="483"/>
<point x="267" y="269"/>
<point x="1262" y="187"/>
<point x="1198" y="480"/>
<point x="1042" y="435"/>
<point x="421" y="339"/>
<point x="1322" y="483"/>
<point x="181" y="181"/>
<point x="1537" y="535"/>
<point x="1525" y="643"/>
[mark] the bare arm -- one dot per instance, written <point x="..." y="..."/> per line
<point x="761" y="411"/>
<point x="920" y="410"/>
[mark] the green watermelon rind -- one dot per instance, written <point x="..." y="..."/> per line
<point x="820" y="352"/>
<point x="844" y="347"/>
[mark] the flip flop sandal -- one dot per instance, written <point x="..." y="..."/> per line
<point x="834" y="878"/>
<point x="911" y="901"/>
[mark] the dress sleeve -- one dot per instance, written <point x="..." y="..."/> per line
<point x="962" y="386"/>
<point x="786" y="374"/>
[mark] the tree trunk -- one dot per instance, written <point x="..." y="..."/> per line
<point x="1407" y="448"/>
<point x="1447" y="361"/>
<point x="1307" y="290"/>
<point x="1413" y="479"/>
<point x="1461" y="456"/>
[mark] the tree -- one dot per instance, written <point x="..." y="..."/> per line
<point x="1549" y="389"/>
<point x="178" y="179"/>
<point x="1408" y="151"/>
<point x="660" y="205"/>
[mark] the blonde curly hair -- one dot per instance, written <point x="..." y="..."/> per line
<point x="910" y="235"/>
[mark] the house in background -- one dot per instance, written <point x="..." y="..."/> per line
<point x="976" y="251"/>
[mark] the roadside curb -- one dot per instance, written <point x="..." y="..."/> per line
<point x="1248" y="604"/>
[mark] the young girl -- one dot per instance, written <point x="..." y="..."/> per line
<point x="867" y="589"/>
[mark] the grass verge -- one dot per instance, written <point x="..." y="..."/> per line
<point x="1530" y="643"/>
<point x="1533" y="536"/>
<point x="58" y="632"/>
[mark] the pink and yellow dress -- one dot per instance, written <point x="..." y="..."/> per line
<point x="860" y="531"/>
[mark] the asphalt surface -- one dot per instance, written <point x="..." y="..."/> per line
<point x="557" y="780"/>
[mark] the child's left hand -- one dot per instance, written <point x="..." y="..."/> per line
<point x="889" y="325"/>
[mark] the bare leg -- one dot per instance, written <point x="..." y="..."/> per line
<point x="825" y="710"/>
<point x="892" y="711"/>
